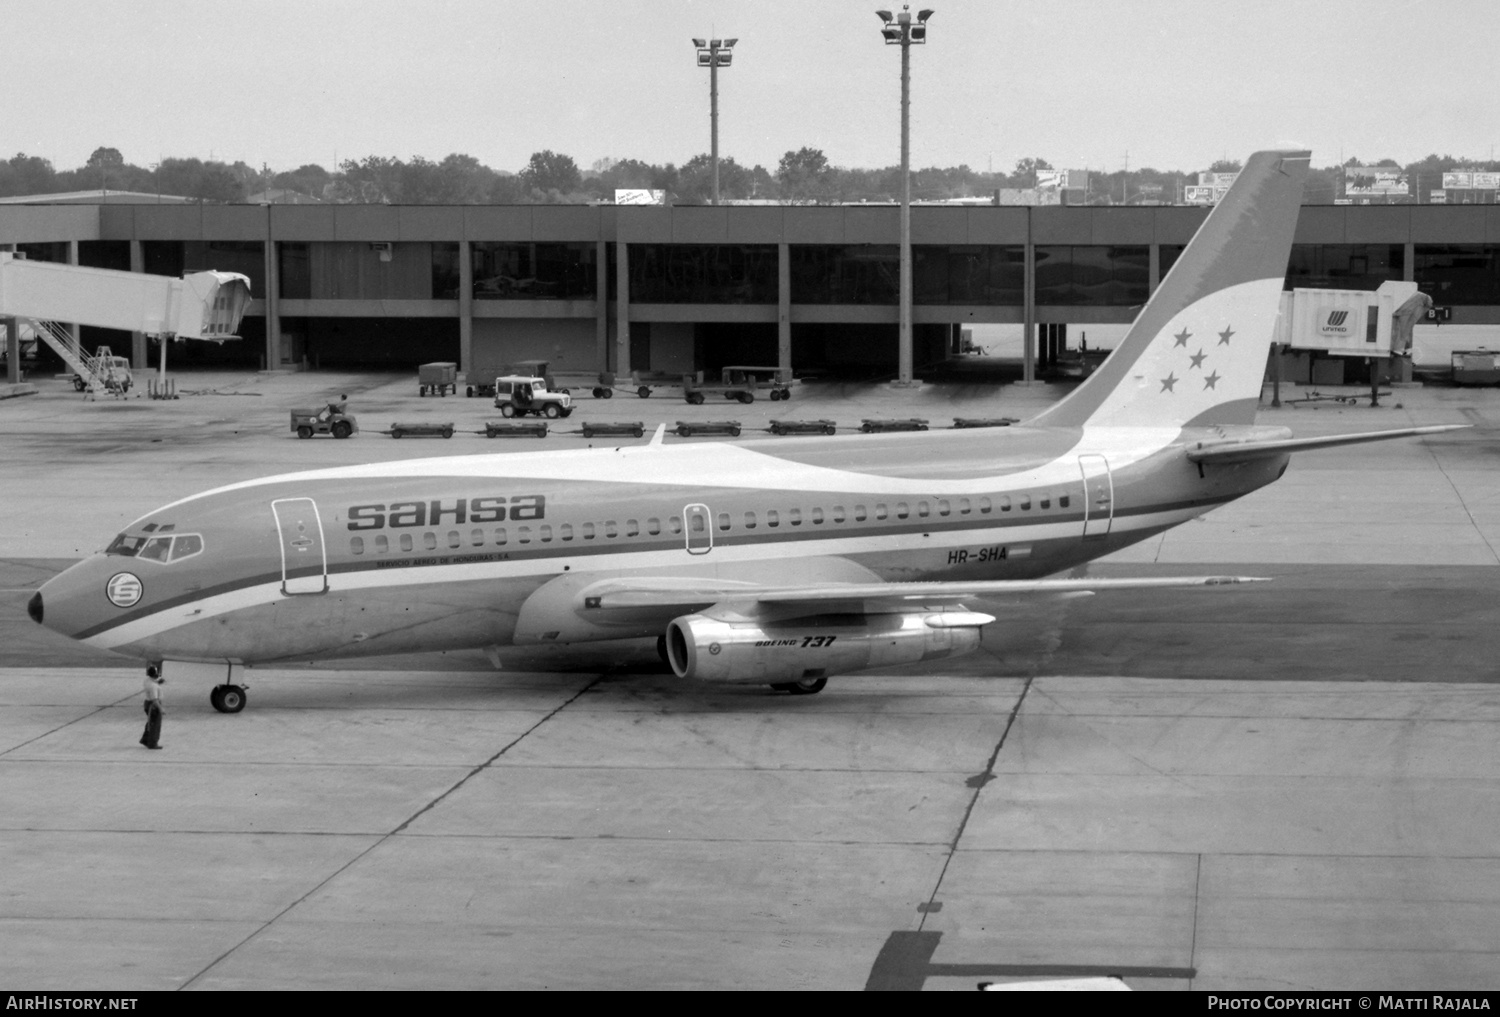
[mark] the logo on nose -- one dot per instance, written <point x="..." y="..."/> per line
<point x="123" y="590"/>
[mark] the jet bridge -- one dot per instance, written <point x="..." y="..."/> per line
<point x="200" y="305"/>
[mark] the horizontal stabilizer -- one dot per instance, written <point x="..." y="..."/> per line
<point x="1248" y="451"/>
<point x="618" y="594"/>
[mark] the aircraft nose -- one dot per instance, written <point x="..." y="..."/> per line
<point x="34" y="607"/>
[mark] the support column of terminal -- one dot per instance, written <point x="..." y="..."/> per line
<point x="138" y="349"/>
<point x="1028" y="302"/>
<point x="466" y="312"/>
<point x="622" y="309"/>
<point x="73" y="326"/>
<point x="601" y="305"/>
<point x="12" y="350"/>
<point x="273" y="299"/>
<point x="784" y="309"/>
<point x="1153" y="269"/>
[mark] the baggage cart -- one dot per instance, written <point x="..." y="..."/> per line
<point x="802" y="427"/>
<point x="625" y="429"/>
<point x="437" y="378"/>
<point x="689" y="428"/>
<point x="421" y="430"/>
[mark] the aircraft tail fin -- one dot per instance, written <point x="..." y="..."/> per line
<point x="1196" y="354"/>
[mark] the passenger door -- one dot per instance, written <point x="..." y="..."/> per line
<point x="304" y="557"/>
<point x="1098" y="495"/>
<point x="697" y="527"/>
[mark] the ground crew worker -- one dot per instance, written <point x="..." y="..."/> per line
<point x="332" y="410"/>
<point x="151" y="737"/>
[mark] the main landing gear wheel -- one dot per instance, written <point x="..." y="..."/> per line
<point x="228" y="698"/>
<point x="805" y="687"/>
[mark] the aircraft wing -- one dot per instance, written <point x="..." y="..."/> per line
<point x="1245" y="451"/>
<point x="692" y="594"/>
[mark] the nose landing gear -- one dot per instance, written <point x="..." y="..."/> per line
<point x="227" y="698"/>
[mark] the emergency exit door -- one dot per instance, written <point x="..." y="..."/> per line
<point x="1098" y="495"/>
<point x="304" y="558"/>
<point x="697" y="529"/>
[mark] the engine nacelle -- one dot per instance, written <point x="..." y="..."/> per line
<point x="754" y="652"/>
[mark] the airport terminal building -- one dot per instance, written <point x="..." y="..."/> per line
<point x="680" y="289"/>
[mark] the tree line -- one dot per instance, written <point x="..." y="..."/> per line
<point x="804" y="175"/>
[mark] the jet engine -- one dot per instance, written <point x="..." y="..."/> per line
<point x="749" y="651"/>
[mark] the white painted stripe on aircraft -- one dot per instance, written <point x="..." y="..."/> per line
<point x="613" y="562"/>
<point x="704" y="465"/>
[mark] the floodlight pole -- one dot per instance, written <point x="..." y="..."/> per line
<point x="714" y="53"/>
<point x="899" y="31"/>
<point x="904" y="337"/>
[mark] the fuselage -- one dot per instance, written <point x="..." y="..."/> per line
<point x="439" y="554"/>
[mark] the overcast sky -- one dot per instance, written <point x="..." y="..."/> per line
<point x="1082" y="83"/>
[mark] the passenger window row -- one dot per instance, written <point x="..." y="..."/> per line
<point x="500" y="536"/>
<point x="611" y="529"/>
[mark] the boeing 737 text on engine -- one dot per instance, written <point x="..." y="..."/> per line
<point x="762" y="562"/>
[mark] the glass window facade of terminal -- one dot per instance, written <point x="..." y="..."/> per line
<point x="176" y="257"/>
<point x="941" y="274"/>
<point x="294" y="270"/>
<point x="703" y="273"/>
<point x="445" y="274"/>
<point x="1344" y="266"/>
<point x="1092" y="275"/>
<point x="968" y="274"/>
<point x="55" y="251"/>
<point x="850" y="274"/>
<point x="1167" y="255"/>
<point x="531" y="271"/>
<point x="356" y="270"/>
<point x="1458" y="273"/>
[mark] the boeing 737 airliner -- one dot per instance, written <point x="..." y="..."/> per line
<point x="769" y="562"/>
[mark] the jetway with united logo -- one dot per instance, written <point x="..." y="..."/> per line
<point x="1351" y="323"/>
<point x="1374" y="325"/>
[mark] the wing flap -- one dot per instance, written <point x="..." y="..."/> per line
<point x="1248" y="451"/>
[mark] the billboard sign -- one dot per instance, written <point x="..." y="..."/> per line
<point x="1203" y="195"/>
<point x="640" y="197"/>
<point x="1464" y="180"/>
<point x="1375" y="180"/>
<point x="1062" y="179"/>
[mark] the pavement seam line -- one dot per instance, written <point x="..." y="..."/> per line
<point x="382" y="838"/>
<point x="1197" y="900"/>
<point x="988" y="771"/>
<point x="96" y="710"/>
<point x="1459" y="495"/>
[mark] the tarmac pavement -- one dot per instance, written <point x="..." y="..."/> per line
<point x="1286" y="786"/>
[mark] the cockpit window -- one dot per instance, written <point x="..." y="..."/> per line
<point x="125" y="545"/>
<point x="187" y="545"/>
<point x="155" y="549"/>
<point x="162" y="548"/>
